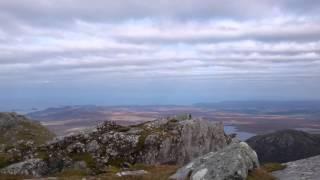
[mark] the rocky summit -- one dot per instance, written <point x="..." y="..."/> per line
<point x="163" y="141"/>
<point x="231" y="163"/>
<point x="286" y="145"/>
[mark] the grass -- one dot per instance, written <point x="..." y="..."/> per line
<point x="13" y="177"/>
<point x="4" y="160"/>
<point x="263" y="173"/>
<point x="260" y="174"/>
<point x="116" y="162"/>
<point x="270" y="167"/>
<point x="71" y="174"/>
<point x="144" y="134"/>
<point x="86" y="157"/>
<point x="159" y="172"/>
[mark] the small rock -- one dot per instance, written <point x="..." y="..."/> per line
<point x="132" y="173"/>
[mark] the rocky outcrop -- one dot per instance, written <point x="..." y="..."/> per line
<point x="19" y="138"/>
<point x="230" y="163"/>
<point x="33" y="167"/>
<point x="164" y="141"/>
<point x="285" y="145"/>
<point x="308" y="169"/>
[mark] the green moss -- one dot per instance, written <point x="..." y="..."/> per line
<point x="270" y="167"/>
<point x="13" y="177"/>
<point x="142" y="138"/>
<point x="123" y="129"/>
<point x="116" y="162"/>
<point x="86" y="157"/>
<point x="72" y="173"/>
<point x="263" y="173"/>
<point x="173" y="120"/>
<point x="260" y="174"/>
<point x="4" y="160"/>
<point x="43" y="155"/>
<point x="113" y="169"/>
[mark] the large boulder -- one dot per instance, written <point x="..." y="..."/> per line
<point x="185" y="140"/>
<point x="230" y="163"/>
<point x="33" y="167"/>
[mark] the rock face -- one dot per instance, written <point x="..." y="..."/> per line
<point x="164" y="141"/>
<point x="308" y="169"/>
<point x="284" y="146"/>
<point x="230" y="163"/>
<point x="34" y="167"/>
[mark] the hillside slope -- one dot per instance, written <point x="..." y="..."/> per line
<point x="285" y="145"/>
<point x="19" y="136"/>
<point x="16" y="127"/>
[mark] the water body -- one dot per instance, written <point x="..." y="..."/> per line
<point x="241" y="135"/>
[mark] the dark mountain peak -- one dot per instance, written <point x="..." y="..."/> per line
<point x="285" y="145"/>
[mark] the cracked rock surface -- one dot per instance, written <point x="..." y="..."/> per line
<point x="304" y="169"/>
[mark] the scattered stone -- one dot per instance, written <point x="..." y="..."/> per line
<point x="132" y="173"/>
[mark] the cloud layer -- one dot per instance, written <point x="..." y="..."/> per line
<point x="55" y="41"/>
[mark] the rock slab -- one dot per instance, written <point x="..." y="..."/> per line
<point x="305" y="169"/>
<point x="231" y="163"/>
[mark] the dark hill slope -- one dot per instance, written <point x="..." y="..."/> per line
<point x="285" y="145"/>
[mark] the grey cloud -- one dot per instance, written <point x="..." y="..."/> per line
<point x="55" y="40"/>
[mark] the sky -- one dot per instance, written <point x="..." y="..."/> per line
<point x="66" y="52"/>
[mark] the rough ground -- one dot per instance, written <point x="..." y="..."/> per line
<point x="305" y="169"/>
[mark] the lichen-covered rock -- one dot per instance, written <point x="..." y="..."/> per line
<point x="164" y="141"/>
<point x="231" y="163"/>
<point x="34" y="167"/>
<point x="182" y="141"/>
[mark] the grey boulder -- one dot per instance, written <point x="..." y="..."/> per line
<point x="33" y="167"/>
<point x="230" y="163"/>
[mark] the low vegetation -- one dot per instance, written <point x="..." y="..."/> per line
<point x="270" y="167"/>
<point x="4" y="160"/>
<point x="159" y="172"/>
<point x="264" y="172"/>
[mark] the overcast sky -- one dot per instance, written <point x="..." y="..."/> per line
<point x="60" y="52"/>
